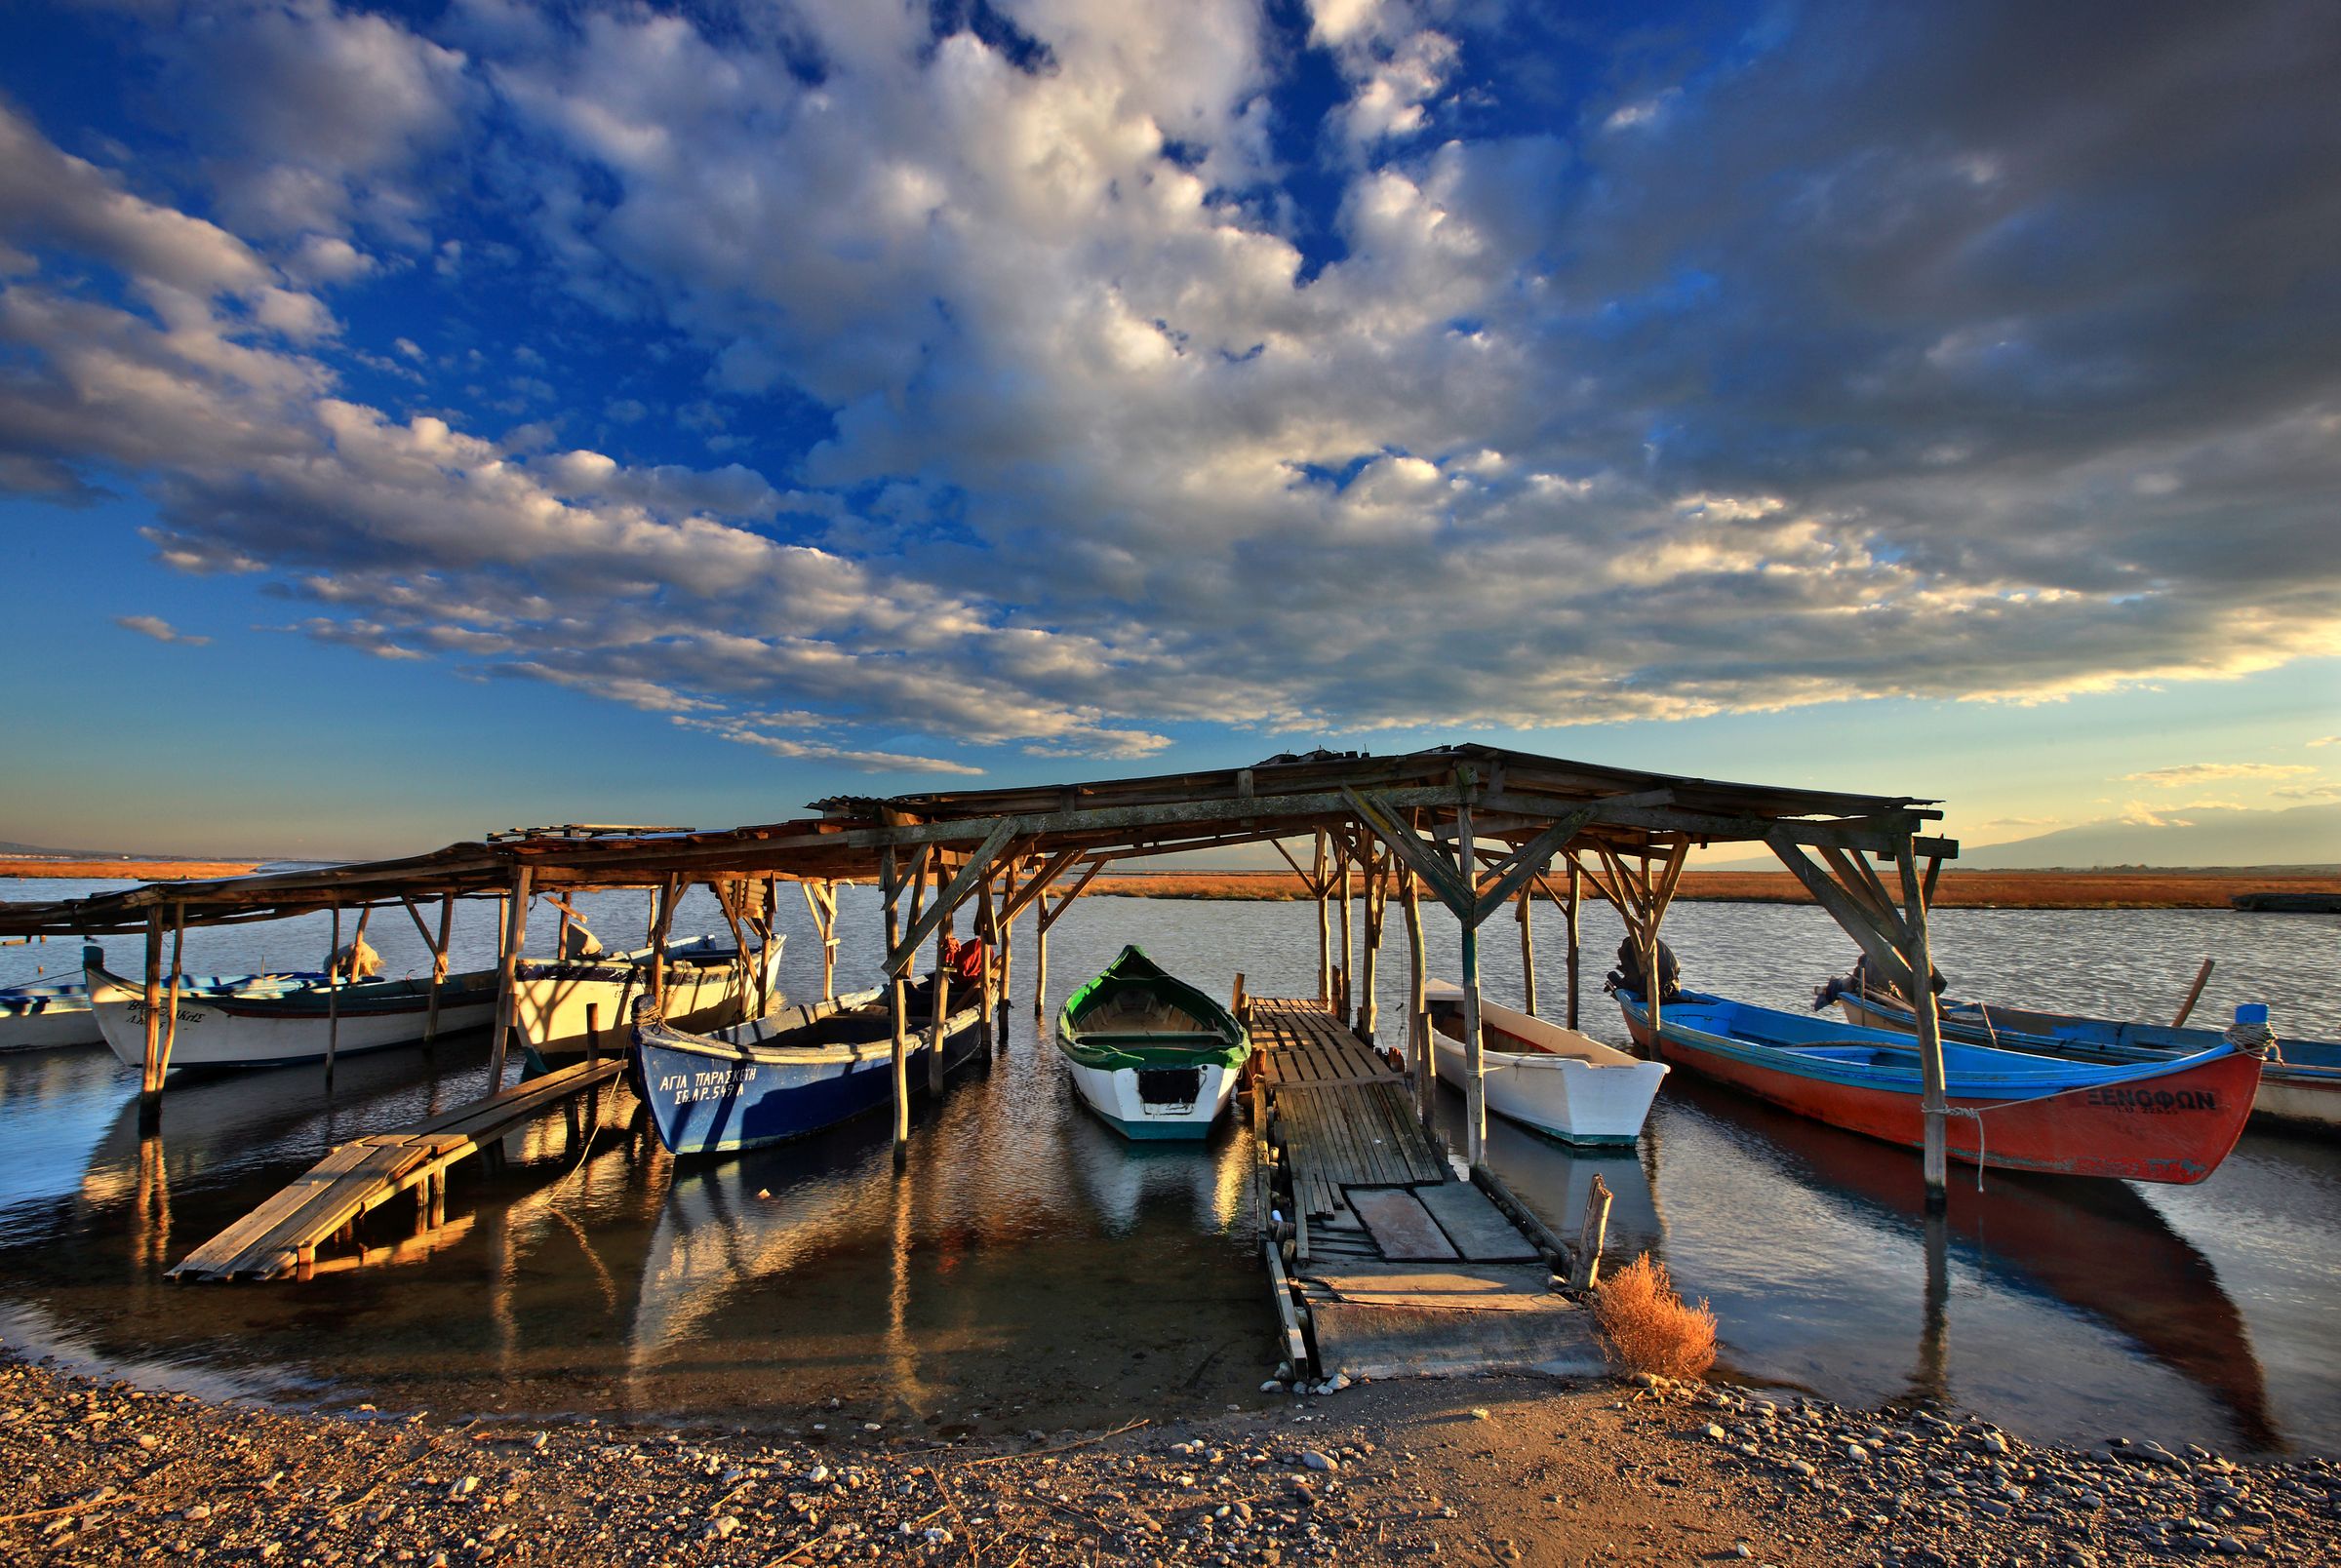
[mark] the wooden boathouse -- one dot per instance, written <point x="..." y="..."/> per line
<point x="1368" y="1227"/>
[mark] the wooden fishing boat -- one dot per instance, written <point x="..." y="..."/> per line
<point x="789" y="1072"/>
<point x="2300" y="1080"/>
<point x="1557" y="1081"/>
<point x="566" y="1005"/>
<point x="1150" y="1053"/>
<point x="39" y="1018"/>
<point x="2150" y="1122"/>
<point x="284" y="1019"/>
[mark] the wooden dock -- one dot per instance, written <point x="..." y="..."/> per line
<point x="1385" y="1261"/>
<point x="327" y="1200"/>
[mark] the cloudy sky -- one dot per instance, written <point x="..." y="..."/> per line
<point x="419" y="421"/>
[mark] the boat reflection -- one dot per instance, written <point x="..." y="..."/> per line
<point x="2095" y="1247"/>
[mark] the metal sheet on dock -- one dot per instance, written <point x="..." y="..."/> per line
<point x="1401" y="1227"/>
<point x="1476" y="1226"/>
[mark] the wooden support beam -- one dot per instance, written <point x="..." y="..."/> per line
<point x="1848" y="913"/>
<point x="1418" y="1023"/>
<point x="1378" y="876"/>
<point x="179" y="966"/>
<point x="1346" y="859"/>
<point x="942" y="983"/>
<point x="333" y="995"/>
<point x="947" y="897"/>
<point x="1934" y="1105"/>
<point x="1325" y="928"/>
<point x="1575" y="898"/>
<point x="151" y="1076"/>
<point x="987" y="934"/>
<point x="1475" y="1080"/>
<point x="1425" y="861"/>
<point x="430" y="1011"/>
<point x="890" y="886"/>
<point x="516" y="929"/>
<point x="1528" y="951"/>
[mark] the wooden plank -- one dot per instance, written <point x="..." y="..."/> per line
<point x="1297" y="1348"/>
<point x="1500" y="1288"/>
<point x="1389" y="1341"/>
<point x="241" y="1237"/>
<point x="1478" y="1228"/>
<point x="1402" y="1227"/>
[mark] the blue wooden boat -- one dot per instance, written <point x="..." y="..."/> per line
<point x="790" y="1073"/>
<point x="2300" y="1082"/>
<point x="2151" y="1121"/>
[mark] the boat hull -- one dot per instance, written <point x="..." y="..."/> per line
<point x="571" y="1006"/>
<point x="2301" y="1088"/>
<point x="1119" y="1098"/>
<point x="44" y="1018"/>
<point x="2174" y="1126"/>
<point x="1594" y="1095"/>
<point x="288" y="1027"/>
<point x="709" y="1095"/>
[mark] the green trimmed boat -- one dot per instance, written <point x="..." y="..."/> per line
<point x="1150" y="1053"/>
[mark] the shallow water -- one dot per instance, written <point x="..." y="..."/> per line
<point x="1032" y="1270"/>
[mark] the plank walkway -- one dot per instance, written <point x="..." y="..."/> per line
<point x="1387" y="1261"/>
<point x="283" y="1235"/>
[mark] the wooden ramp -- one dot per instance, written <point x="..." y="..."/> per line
<point x="283" y="1235"/>
<point x="1385" y="1260"/>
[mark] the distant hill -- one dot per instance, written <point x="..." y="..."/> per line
<point x="2301" y="839"/>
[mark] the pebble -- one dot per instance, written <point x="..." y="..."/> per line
<point x="1317" y="1460"/>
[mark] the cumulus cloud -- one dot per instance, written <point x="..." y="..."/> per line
<point x="1932" y="356"/>
<point x="161" y="630"/>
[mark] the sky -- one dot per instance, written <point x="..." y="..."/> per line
<point x="426" y="420"/>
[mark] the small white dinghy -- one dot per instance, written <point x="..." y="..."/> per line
<point x="38" y="1018"/>
<point x="569" y="1006"/>
<point x="1150" y="1053"/>
<point x="1557" y="1081"/>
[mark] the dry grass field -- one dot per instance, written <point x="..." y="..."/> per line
<point x="1958" y="889"/>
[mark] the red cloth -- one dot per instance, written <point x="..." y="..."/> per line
<point x="966" y="962"/>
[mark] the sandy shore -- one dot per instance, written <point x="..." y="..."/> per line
<point x="1958" y="889"/>
<point x="131" y="870"/>
<point x="1493" y="1470"/>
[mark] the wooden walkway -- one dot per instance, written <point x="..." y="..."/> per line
<point x="283" y="1235"/>
<point x="1384" y="1258"/>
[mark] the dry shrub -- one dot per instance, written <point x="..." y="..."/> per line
<point x="1646" y="1328"/>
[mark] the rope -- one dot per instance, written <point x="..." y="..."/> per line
<point x="1976" y="1115"/>
<point x="2257" y="1040"/>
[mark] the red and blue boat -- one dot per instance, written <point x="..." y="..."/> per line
<point x="788" y="1074"/>
<point x="2168" y="1121"/>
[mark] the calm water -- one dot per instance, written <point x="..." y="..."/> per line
<point x="1033" y="1270"/>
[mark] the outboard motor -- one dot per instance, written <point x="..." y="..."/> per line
<point x="1628" y="975"/>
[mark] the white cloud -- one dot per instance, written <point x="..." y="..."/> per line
<point x="2191" y="773"/>
<point x="161" y="630"/>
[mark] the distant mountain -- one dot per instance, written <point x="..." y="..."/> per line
<point x="2302" y="835"/>
<point x="2302" y="838"/>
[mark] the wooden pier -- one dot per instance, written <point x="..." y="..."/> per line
<point x="1384" y="1262"/>
<point x="326" y="1201"/>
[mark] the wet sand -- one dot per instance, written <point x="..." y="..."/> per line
<point x="1492" y="1469"/>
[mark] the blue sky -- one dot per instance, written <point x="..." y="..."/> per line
<point x="424" y="420"/>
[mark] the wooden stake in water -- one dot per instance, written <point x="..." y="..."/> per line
<point x="2194" y="993"/>
<point x="333" y="999"/>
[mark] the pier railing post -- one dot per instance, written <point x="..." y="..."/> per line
<point x="1418" y="1022"/>
<point x="1935" y="1106"/>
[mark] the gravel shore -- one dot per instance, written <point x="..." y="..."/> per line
<point x="1497" y="1470"/>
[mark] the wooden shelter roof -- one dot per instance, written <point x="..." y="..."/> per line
<point x="1513" y="796"/>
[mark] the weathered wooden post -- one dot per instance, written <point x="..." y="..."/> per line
<point x="151" y="1076"/>
<point x="507" y="964"/>
<point x="1377" y="862"/>
<point x="1575" y="893"/>
<point x="1527" y="949"/>
<point x="890" y="890"/>
<point x="942" y="989"/>
<point x="333" y="995"/>
<point x="1343" y="863"/>
<point x="179" y="968"/>
<point x="1934" y="1104"/>
<point x="988" y="935"/>
<point x="430" y="1013"/>
<point x="1003" y="939"/>
<point x="1418" y="1019"/>
<point x="1324" y="927"/>
<point x="1585" y="1270"/>
<point x="1475" y="1089"/>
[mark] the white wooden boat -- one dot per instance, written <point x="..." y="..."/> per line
<point x="282" y="1019"/>
<point x="38" y="1018"/>
<point x="1557" y="1081"/>
<point x="1150" y="1053"/>
<point x="559" y="1001"/>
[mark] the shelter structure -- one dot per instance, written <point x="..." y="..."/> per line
<point x="1476" y="830"/>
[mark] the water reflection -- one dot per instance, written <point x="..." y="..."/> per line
<point x="1032" y="1268"/>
